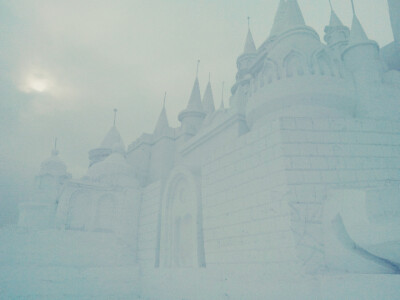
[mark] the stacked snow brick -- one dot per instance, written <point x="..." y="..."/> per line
<point x="263" y="195"/>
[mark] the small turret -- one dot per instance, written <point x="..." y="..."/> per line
<point x="193" y="116"/>
<point x="40" y="211"/>
<point x="162" y="123"/>
<point x="394" y="10"/>
<point x="208" y="99"/>
<point x="246" y="59"/>
<point x="336" y="34"/>
<point x="111" y="140"/>
<point x="361" y="58"/>
<point x="52" y="175"/>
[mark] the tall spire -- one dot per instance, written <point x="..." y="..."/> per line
<point x="115" y="115"/>
<point x="165" y="97"/>
<point x="222" y="107"/>
<point x="162" y="122"/>
<point x="193" y="116"/>
<point x="336" y="34"/>
<point x="287" y="17"/>
<point x="54" y="152"/>
<point x="249" y="46"/>
<point x="194" y="103"/>
<point x="113" y="137"/>
<point x="208" y="99"/>
<point x="394" y="11"/>
<point x="357" y="33"/>
<point x="334" y="20"/>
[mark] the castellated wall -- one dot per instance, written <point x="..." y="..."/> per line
<point x="263" y="199"/>
<point x="263" y="193"/>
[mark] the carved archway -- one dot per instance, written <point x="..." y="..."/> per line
<point x="181" y="238"/>
<point x="294" y="64"/>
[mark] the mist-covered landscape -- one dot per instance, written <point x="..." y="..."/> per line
<point x="205" y="150"/>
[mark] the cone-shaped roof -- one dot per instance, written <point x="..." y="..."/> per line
<point x="287" y="17"/>
<point x="194" y="103"/>
<point x="208" y="100"/>
<point x="249" y="46"/>
<point x="334" y="21"/>
<point x="112" y="139"/>
<point x="53" y="165"/>
<point x="357" y="33"/>
<point x="162" y="122"/>
<point x="112" y="168"/>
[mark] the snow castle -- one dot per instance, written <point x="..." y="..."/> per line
<point x="298" y="178"/>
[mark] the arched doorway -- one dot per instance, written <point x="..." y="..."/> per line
<point x="181" y="241"/>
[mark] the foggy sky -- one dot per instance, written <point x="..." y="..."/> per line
<point x="64" y="66"/>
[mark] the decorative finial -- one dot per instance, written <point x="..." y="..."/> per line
<point x="197" y="71"/>
<point x="330" y="4"/>
<point x="115" y="115"/>
<point x="165" y="97"/>
<point x="248" y="22"/>
<point x="352" y="5"/>
<point x="54" y="152"/>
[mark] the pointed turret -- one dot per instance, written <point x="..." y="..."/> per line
<point x="288" y="16"/>
<point x="362" y="59"/>
<point x="249" y="46"/>
<point x="394" y="11"/>
<point x="336" y="34"/>
<point x="208" y="99"/>
<point x="192" y="117"/>
<point x="111" y="141"/>
<point x="39" y="212"/>
<point x="357" y="33"/>
<point x="53" y="166"/>
<point x="162" y="122"/>
<point x="113" y="138"/>
<point x="246" y="59"/>
<point x="334" y="20"/>
<point x="194" y="103"/>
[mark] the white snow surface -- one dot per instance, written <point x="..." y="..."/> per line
<point x="53" y="264"/>
<point x="291" y="192"/>
<point x="58" y="264"/>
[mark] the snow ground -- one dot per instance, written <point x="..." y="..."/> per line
<point x="54" y="264"/>
<point x="65" y="265"/>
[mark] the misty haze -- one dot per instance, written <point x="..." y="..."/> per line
<point x="200" y="149"/>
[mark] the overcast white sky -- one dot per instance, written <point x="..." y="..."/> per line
<point x="64" y="66"/>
